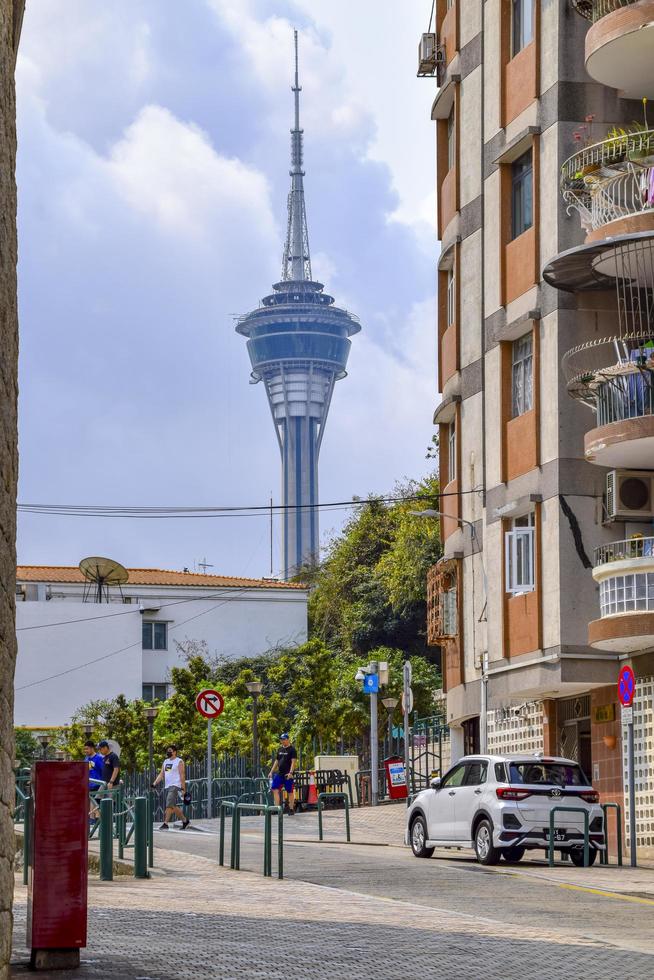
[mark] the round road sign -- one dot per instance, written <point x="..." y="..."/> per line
<point x="210" y="703"/>
<point x="626" y="686"/>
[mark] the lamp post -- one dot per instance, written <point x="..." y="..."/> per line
<point x="44" y="740"/>
<point x="254" y="689"/>
<point x="150" y="714"/>
<point x="476" y="549"/>
<point x="362" y="672"/>
<point x="390" y="704"/>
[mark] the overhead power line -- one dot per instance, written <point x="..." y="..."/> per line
<point x="238" y="510"/>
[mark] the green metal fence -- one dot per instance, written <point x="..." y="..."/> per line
<point x="236" y="810"/>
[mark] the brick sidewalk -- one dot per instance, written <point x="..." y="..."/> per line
<point x="197" y="921"/>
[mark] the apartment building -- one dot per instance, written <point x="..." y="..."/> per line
<point x="545" y="179"/>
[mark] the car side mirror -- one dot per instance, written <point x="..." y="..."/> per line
<point x="435" y="783"/>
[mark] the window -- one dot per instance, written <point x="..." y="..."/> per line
<point x="522" y="388"/>
<point x="455" y="776"/>
<point x="476" y="773"/>
<point x="451" y="452"/>
<point x="155" y="636"/>
<point x="451" y="297"/>
<point x="522" y="25"/>
<point x="519" y="547"/>
<point x="546" y="774"/>
<point x="155" y="692"/>
<point x="500" y="773"/>
<point x="451" y="140"/>
<point x="449" y="617"/>
<point x="521" y="194"/>
<point x="627" y="593"/>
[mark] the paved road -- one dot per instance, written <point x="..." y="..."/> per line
<point x="360" y="912"/>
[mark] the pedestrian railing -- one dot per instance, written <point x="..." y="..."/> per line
<point x="569" y="809"/>
<point x="236" y="810"/>
<point x="333" y="796"/>
<point x="113" y="826"/>
<point x="604" y="855"/>
<point x="325" y="780"/>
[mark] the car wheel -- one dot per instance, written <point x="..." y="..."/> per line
<point x="577" y="857"/>
<point x="419" y="839"/>
<point x="513" y="854"/>
<point x="486" y="851"/>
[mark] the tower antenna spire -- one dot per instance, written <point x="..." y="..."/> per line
<point x="296" y="261"/>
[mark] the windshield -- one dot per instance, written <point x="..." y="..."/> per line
<point x="546" y="773"/>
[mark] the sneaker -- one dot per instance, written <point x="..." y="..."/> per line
<point x="185" y="824"/>
<point x="164" y="826"/>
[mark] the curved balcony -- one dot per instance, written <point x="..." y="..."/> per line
<point x="615" y="377"/>
<point x="611" y="185"/>
<point x="619" y="44"/>
<point x="624" y="571"/>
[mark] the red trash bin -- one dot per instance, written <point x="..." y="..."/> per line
<point x="396" y="778"/>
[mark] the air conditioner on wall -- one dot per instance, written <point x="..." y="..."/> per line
<point x="629" y="495"/>
<point x="427" y="55"/>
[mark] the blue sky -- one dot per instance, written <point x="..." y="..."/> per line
<point x="152" y="172"/>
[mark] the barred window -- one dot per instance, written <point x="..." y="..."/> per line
<point x="448" y="612"/>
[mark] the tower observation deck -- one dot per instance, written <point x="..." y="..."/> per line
<point x="298" y="342"/>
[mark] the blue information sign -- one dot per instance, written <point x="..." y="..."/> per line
<point x="371" y="684"/>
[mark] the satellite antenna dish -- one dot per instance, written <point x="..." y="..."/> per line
<point x="101" y="574"/>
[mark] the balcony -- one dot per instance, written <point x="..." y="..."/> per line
<point x="611" y="185"/>
<point x="615" y="377"/>
<point x="444" y="625"/>
<point x="624" y="571"/>
<point x="619" y="44"/>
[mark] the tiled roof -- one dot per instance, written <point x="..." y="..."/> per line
<point x="152" y="576"/>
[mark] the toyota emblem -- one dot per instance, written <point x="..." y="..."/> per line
<point x="556" y="792"/>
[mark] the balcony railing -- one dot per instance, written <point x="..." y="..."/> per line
<point x="611" y="180"/>
<point x="594" y="10"/>
<point x="614" y="375"/>
<point x="624" y="550"/>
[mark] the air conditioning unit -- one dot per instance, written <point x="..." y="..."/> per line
<point x="629" y="495"/>
<point x="427" y="55"/>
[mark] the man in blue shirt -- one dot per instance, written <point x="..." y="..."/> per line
<point x="95" y="761"/>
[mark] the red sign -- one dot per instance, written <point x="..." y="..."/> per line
<point x="626" y="686"/>
<point x="210" y="703"/>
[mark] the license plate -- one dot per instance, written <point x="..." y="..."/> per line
<point x="560" y="835"/>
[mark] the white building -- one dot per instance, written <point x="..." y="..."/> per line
<point x="72" y="651"/>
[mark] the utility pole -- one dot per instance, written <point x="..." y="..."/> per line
<point x="374" y="746"/>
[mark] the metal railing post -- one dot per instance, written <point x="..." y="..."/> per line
<point x="267" y="849"/>
<point x="569" y="809"/>
<point x="333" y="796"/>
<point x="27" y="833"/>
<point x="106" y="839"/>
<point x="121" y="821"/>
<point x="280" y="842"/>
<point x="150" y="817"/>
<point x="604" y="858"/>
<point x="141" y="837"/>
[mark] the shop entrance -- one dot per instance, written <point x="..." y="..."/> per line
<point x="573" y="722"/>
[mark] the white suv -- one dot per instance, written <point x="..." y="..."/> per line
<point x="501" y="804"/>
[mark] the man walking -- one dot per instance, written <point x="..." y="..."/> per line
<point x="282" y="773"/>
<point x="96" y="763"/>
<point x="110" y="764"/>
<point x="173" y="773"/>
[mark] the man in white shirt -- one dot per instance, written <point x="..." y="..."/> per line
<point x="173" y="774"/>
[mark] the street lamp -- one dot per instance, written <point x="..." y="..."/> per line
<point x="390" y="704"/>
<point x="60" y="755"/>
<point x="150" y="714"/>
<point x="44" y="739"/>
<point x="476" y="549"/>
<point x="87" y="728"/>
<point x="254" y="689"/>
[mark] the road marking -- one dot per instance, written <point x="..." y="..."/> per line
<point x="604" y="894"/>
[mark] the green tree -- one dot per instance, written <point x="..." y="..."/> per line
<point x="27" y="747"/>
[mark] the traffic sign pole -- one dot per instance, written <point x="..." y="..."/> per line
<point x="406" y="705"/>
<point x="626" y="692"/>
<point x="209" y="780"/>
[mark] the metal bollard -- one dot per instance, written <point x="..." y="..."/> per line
<point x="151" y="829"/>
<point x="121" y="821"/>
<point x="27" y="833"/>
<point x="141" y="837"/>
<point x="106" y="839"/>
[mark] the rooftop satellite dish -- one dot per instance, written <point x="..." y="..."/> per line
<point x="101" y="574"/>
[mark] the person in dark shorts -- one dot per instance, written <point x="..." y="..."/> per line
<point x="282" y="773"/>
